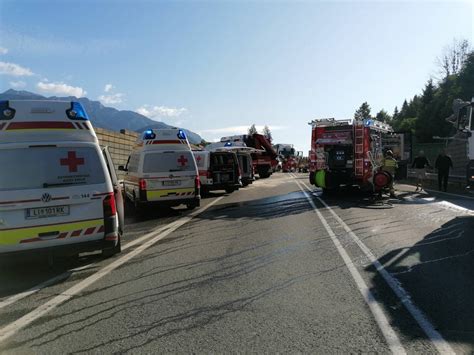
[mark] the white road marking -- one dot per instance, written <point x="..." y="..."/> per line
<point x="39" y="287"/>
<point x="66" y="274"/>
<point x="449" y="194"/>
<point x="387" y="331"/>
<point x="435" y="337"/>
<point x="12" y="328"/>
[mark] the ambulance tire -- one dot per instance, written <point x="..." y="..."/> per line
<point x="193" y="205"/>
<point x="138" y="206"/>
<point x="109" y="252"/>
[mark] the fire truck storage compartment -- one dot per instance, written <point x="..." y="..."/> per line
<point x="339" y="157"/>
<point x="224" y="167"/>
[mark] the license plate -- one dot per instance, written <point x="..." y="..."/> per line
<point x="44" y="212"/>
<point x="172" y="183"/>
<point x="225" y="178"/>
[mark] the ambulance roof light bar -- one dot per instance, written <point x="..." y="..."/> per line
<point x="77" y="112"/>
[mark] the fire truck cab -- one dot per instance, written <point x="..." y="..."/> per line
<point x="348" y="152"/>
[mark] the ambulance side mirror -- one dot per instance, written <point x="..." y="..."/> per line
<point x="122" y="168"/>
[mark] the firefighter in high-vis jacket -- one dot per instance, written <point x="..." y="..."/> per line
<point x="390" y="165"/>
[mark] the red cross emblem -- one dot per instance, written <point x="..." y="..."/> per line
<point x="182" y="160"/>
<point x="72" y="161"/>
<point x="198" y="158"/>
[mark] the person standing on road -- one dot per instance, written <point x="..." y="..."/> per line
<point x="420" y="164"/>
<point x="390" y="165"/>
<point x="443" y="164"/>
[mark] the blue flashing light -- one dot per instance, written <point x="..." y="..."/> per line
<point x="149" y="134"/>
<point x="181" y="134"/>
<point x="6" y="112"/>
<point x="77" y="112"/>
<point x="228" y="144"/>
<point x="368" y="122"/>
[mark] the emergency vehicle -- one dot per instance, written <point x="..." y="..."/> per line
<point x="209" y="167"/>
<point x="287" y="156"/>
<point x="161" y="170"/>
<point x="463" y="120"/>
<point x="264" y="157"/>
<point x="218" y="170"/>
<point x="348" y="152"/>
<point x="58" y="188"/>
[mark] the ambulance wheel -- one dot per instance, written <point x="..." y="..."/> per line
<point x="109" y="252"/>
<point x="193" y="205"/>
<point x="138" y="206"/>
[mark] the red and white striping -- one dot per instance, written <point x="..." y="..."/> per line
<point x="70" y="234"/>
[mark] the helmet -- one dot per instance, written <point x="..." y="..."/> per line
<point x="389" y="153"/>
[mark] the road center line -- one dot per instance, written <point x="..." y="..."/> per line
<point x="435" y="337"/>
<point x="12" y="328"/>
<point x="387" y="331"/>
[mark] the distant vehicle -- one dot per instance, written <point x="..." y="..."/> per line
<point x="59" y="193"/>
<point x="463" y="120"/>
<point x="264" y="157"/>
<point x="246" y="167"/>
<point x="287" y="156"/>
<point x="218" y="170"/>
<point x="161" y="170"/>
<point x="348" y="152"/>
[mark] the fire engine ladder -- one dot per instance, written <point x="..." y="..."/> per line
<point x="359" y="150"/>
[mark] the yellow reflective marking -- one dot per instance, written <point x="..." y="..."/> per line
<point x="150" y="195"/>
<point x="10" y="237"/>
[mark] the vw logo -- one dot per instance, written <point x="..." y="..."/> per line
<point x="46" y="197"/>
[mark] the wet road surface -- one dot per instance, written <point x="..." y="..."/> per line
<point x="259" y="270"/>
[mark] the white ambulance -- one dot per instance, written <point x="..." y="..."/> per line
<point x="161" y="170"/>
<point x="58" y="189"/>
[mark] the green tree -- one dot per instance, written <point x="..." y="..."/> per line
<point x="267" y="133"/>
<point x="252" y="129"/>
<point x="362" y="112"/>
<point x="395" y="113"/>
<point x="383" y="116"/>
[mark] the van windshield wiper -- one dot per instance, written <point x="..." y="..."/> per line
<point x="45" y="185"/>
<point x="173" y="170"/>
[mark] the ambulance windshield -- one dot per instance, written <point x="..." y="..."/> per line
<point x="49" y="167"/>
<point x="174" y="161"/>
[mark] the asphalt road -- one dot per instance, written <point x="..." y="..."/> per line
<point x="274" y="267"/>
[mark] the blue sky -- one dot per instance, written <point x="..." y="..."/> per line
<point x="216" y="67"/>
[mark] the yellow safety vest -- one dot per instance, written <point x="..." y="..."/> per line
<point x="390" y="165"/>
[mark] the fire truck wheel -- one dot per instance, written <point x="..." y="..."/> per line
<point x="330" y="191"/>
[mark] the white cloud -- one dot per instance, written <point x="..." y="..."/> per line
<point x="3" y="50"/>
<point x="160" y="111"/>
<point x="61" y="89"/>
<point x="17" y="84"/>
<point x="108" y="87"/>
<point x="239" y="129"/>
<point x="111" y="99"/>
<point x="14" y="69"/>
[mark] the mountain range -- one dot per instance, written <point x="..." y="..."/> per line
<point x="103" y="116"/>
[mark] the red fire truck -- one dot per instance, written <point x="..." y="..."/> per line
<point x="348" y="152"/>
<point x="264" y="158"/>
<point x="287" y="156"/>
